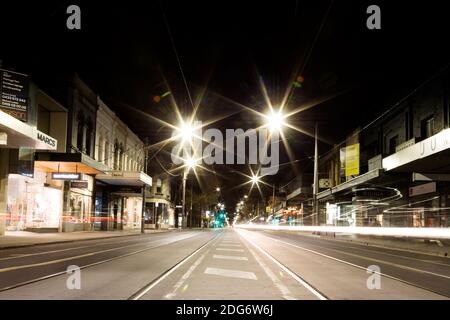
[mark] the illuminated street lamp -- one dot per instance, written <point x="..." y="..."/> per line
<point x="274" y="120"/>
<point x="254" y="179"/>
<point x="218" y="189"/>
<point x="185" y="132"/>
<point x="246" y="196"/>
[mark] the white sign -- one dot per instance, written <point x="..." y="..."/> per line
<point x="422" y="189"/>
<point x="425" y="148"/>
<point x="66" y="176"/>
<point x="324" y="183"/>
<point x="49" y="141"/>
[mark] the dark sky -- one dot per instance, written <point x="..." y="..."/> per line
<point x="125" y="52"/>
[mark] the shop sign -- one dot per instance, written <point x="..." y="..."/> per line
<point x="422" y="189"/>
<point x="79" y="184"/>
<point x="352" y="160"/>
<point x="66" y="176"/>
<point x="324" y="183"/>
<point x="14" y="94"/>
<point x="46" y="139"/>
<point x="126" y="189"/>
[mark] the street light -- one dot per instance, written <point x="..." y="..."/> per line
<point x="246" y="196"/>
<point x="218" y="189"/>
<point x="185" y="131"/>
<point x="254" y="179"/>
<point x="274" y="120"/>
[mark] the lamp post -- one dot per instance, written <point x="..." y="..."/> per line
<point x="316" y="180"/>
<point x="183" y="200"/>
<point x="143" y="187"/>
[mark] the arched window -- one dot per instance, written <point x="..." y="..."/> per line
<point x="116" y="156"/>
<point x="121" y="156"/>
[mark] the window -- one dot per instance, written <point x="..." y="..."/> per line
<point x="106" y="153"/>
<point x="88" y="137"/>
<point x="427" y="127"/>
<point x="116" y="156"/>
<point x="43" y="120"/>
<point x="158" y="186"/>
<point x="80" y="132"/>
<point x="393" y="142"/>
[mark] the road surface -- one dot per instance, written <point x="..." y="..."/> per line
<point x="233" y="264"/>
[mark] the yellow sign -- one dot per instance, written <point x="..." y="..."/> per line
<point x="352" y="160"/>
<point x="268" y="209"/>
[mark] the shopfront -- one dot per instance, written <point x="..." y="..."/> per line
<point x="119" y="200"/>
<point x="28" y="200"/>
<point x="33" y="203"/>
<point x="74" y="172"/>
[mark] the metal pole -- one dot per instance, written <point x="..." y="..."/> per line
<point x="273" y="200"/>
<point x="316" y="180"/>
<point x="183" y="201"/>
<point x="143" y="188"/>
<point x="190" y="210"/>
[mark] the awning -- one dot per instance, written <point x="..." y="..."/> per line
<point x="431" y="155"/>
<point x="364" y="178"/>
<point x="125" y="178"/>
<point x="68" y="162"/>
<point x="18" y="134"/>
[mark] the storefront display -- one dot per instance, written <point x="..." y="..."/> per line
<point x="32" y="204"/>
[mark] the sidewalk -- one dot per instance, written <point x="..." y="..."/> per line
<point x="15" y="239"/>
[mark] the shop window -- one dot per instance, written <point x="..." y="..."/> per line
<point x="427" y="127"/>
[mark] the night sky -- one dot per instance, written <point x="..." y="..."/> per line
<point x="125" y="52"/>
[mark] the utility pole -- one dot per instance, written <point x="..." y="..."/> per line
<point x="190" y="210"/>
<point x="183" y="200"/>
<point x="316" y="180"/>
<point x="143" y="186"/>
<point x="273" y="200"/>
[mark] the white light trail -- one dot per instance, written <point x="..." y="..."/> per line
<point x="429" y="233"/>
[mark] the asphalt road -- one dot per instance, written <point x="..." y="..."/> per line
<point x="220" y="264"/>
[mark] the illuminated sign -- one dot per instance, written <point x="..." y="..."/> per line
<point x="14" y="94"/>
<point x="352" y="160"/>
<point x="66" y="176"/>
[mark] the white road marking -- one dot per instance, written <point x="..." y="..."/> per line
<point x="293" y="275"/>
<point x="226" y="249"/>
<point x="286" y="293"/>
<point x="229" y="245"/>
<point x="152" y="285"/>
<point x="185" y="276"/>
<point x="218" y="256"/>
<point x="231" y="273"/>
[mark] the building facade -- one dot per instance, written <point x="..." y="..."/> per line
<point x="30" y="121"/>
<point x="120" y="190"/>
<point x="396" y="171"/>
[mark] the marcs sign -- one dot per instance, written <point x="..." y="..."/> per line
<point x="47" y="140"/>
